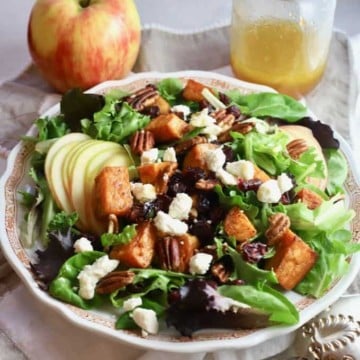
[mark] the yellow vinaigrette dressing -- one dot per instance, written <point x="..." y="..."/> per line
<point x="283" y="54"/>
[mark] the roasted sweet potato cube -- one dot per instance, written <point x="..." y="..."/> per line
<point x="167" y="127"/>
<point x="292" y="261"/>
<point x="195" y="156"/>
<point x="157" y="174"/>
<point x="238" y="225"/>
<point x="163" y="105"/>
<point x="310" y="198"/>
<point x="260" y="174"/>
<point x="193" y="91"/>
<point x="139" y="252"/>
<point x="112" y="191"/>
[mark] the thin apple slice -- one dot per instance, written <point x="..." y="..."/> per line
<point x="53" y="167"/>
<point x="78" y="179"/>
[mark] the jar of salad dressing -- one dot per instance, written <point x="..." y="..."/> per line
<point x="281" y="43"/>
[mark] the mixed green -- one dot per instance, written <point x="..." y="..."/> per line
<point x="238" y="286"/>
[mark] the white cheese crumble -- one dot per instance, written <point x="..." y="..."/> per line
<point x="202" y="119"/>
<point x="181" y="109"/>
<point x="226" y="178"/>
<point x="223" y="303"/>
<point x="269" y="192"/>
<point x="214" y="159"/>
<point x="146" y="319"/>
<point x="166" y="224"/>
<point x="143" y="192"/>
<point x="132" y="303"/>
<point x="82" y="244"/>
<point x="285" y="183"/>
<point x="180" y="206"/>
<point x="170" y="155"/>
<point x="200" y="263"/>
<point x="243" y="169"/>
<point x="149" y="156"/>
<point x="91" y="274"/>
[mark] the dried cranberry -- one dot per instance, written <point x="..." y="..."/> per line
<point x="174" y="296"/>
<point x="217" y="214"/>
<point x="236" y="282"/>
<point x="152" y="111"/>
<point x="224" y="98"/>
<point x="234" y="110"/>
<point x="162" y="203"/>
<point x="253" y="252"/>
<point x="192" y="175"/>
<point x="203" y="230"/>
<point x="248" y="185"/>
<point x="229" y="153"/>
<point x="177" y="184"/>
<point x="204" y="104"/>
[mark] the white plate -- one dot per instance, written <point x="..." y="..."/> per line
<point x="101" y="322"/>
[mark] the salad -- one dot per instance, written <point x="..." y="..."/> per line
<point x="186" y="207"/>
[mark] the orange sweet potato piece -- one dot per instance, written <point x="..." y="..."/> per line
<point x="167" y="128"/>
<point x="163" y="105"/>
<point x="195" y="156"/>
<point x="139" y="252"/>
<point x="292" y="261"/>
<point x="238" y="225"/>
<point x="113" y="192"/>
<point x="260" y="174"/>
<point x="157" y="174"/>
<point x="192" y="91"/>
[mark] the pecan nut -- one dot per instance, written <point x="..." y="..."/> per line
<point x="142" y="141"/>
<point x="222" y="268"/>
<point x="169" y="254"/>
<point x="279" y="223"/>
<point x="224" y="119"/>
<point x="142" y="98"/>
<point x="206" y="184"/>
<point x="114" y="281"/>
<point x="240" y="127"/>
<point x="296" y="148"/>
<point x="183" y="146"/>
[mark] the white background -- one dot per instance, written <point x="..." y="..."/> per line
<point x="186" y="15"/>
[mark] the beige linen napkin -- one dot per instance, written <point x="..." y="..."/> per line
<point x="38" y="331"/>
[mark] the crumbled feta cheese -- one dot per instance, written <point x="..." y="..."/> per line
<point x="132" y="303"/>
<point x="166" y="224"/>
<point x="180" y="206"/>
<point x="285" y="183"/>
<point x="149" y="156"/>
<point x="214" y="159"/>
<point x="269" y="192"/>
<point x="243" y="169"/>
<point x="91" y="274"/>
<point x="223" y="303"/>
<point x="143" y="192"/>
<point x="82" y="244"/>
<point x="146" y="319"/>
<point x="226" y="178"/>
<point x="200" y="263"/>
<point x="202" y="119"/>
<point x="181" y="109"/>
<point x="170" y="155"/>
<point x="212" y="131"/>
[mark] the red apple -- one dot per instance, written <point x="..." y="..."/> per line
<point x="80" y="43"/>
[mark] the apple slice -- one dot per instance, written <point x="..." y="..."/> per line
<point x="53" y="167"/>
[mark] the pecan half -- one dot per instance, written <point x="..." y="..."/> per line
<point x="113" y="281"/>
<point x="142" y="141"/>
<point x="206" y="184"/>
<point x="296" y="148"/>
<point x="169" y="253"/>
<point x="240" y="127"/>
<point x="224" y="119"/>
<point x="222" y="269"/>
<point x="183" y="146"/>
<point x="279" y="223"/>
<point x="142" y="98"/>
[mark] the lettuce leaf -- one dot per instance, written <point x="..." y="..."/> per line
<point x="337" y="169"/>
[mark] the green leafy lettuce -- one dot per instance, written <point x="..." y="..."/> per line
<point x="122" y="238"/>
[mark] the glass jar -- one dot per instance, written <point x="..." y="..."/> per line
<point x="281" y="43"/>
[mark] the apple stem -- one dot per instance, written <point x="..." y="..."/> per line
<point x="84" y="3"/>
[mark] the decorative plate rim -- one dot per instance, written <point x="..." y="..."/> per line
<point x="17" y="258"/>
